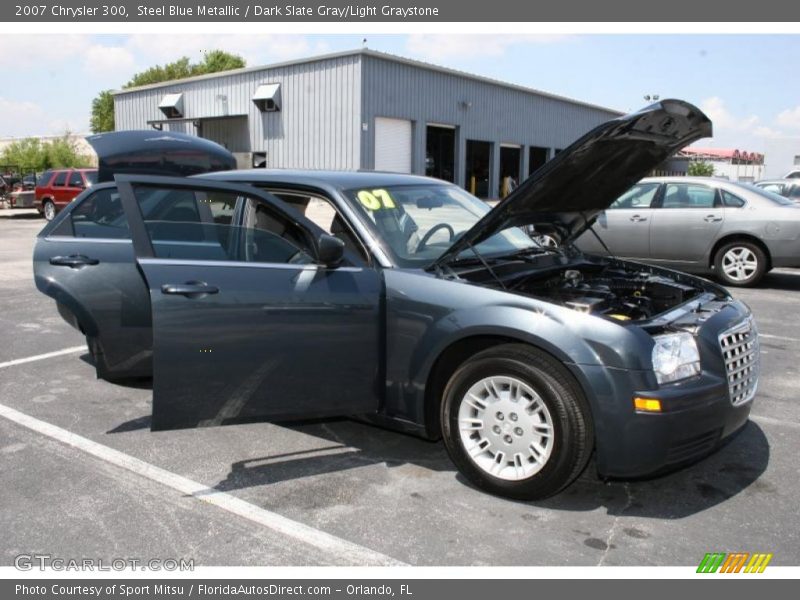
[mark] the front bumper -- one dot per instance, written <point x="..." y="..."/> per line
<point x="696" y="420"/>
<point x="697" y="414"/>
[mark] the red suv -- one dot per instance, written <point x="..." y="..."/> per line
<point x="58" y="187"/>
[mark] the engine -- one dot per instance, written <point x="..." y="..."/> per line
<point x="617" y="293"/>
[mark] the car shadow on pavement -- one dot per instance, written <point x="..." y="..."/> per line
<point x="781" y="280"/>
<point x="734" y="469"/>
<point x="353" y="444"/>
<point x="11" y="215"/>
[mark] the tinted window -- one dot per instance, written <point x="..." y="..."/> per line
<point x="794" y="192"/>
<point x="639" y="196"/>
<point x="60" y="179"/>
<point x="44" y="178"/>
<point x="732" y="201"/>
<point x="91" y="177"/>
<point x="687" y="195"/>
<point x="322" y="213"/>
<point x="75" y="179"/>
<point x="191" y="224"/>
<point x="100" y="216"/>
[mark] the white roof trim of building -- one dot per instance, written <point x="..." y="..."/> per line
<point x="373" y="54"/>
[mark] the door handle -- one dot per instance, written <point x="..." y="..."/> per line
<point x="638" y="218"/>
<point x="712" y="219"/>
<point x="73" y="261"/>
<point x="190" y="289"/>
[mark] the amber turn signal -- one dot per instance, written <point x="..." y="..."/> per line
<point x="647" y="404"/>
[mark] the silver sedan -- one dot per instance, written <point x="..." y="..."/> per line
<point x="698" y="224"/>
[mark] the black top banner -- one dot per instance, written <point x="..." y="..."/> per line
<point x="401" y="10"/>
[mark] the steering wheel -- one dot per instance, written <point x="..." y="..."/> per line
<point x="427" y="237"/>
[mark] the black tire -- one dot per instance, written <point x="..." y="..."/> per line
<point x="752" y="278"/>
<point x="48" y="208"/>
<point x="573" y="431"/>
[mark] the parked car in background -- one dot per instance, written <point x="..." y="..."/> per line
<point x="56" y="188"/>
<point x="404" y="300"/>
<point x="788" y="188"/>
<point x="793" y="174"/>
<point x="736" y="231"/>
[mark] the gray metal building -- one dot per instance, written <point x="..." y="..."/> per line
<point x="368" y="110"/>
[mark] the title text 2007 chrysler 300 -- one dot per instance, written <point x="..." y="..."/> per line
<point x="266" y="294"/>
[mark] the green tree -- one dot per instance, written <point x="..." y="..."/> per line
<point x="32" y="154"/>
<point x="102" y="112"/>
<point x="213" y="61"/>
<point x="700" y="168"/>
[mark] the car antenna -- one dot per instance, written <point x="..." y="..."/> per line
<point x="486" y="264"/>
<point x="595" y="234"/>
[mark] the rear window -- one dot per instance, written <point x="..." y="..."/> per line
<point x="91" y="177"/>
<point x="100" y="216"/>
<point x="772" y="196"/>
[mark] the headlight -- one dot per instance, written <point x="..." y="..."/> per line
<point x="675" y="357"/>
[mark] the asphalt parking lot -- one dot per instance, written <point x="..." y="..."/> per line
<point x="341" y="492"/>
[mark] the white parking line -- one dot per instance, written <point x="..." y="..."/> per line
<point x="21" y="361"/>
<point x="773" y="421"/>
<point x="339" y="549"/>
<point x="778" y="337"/>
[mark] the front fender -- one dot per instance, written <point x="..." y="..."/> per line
<point x="426" y="316"/>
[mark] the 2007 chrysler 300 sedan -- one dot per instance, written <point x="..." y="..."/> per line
<point x="271" y="295"/>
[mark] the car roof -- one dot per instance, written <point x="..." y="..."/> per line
<point x="340" y="179"/>
<point x="777" y="181"/>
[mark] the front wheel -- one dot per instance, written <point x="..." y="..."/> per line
<point x="740" y="263"/>
<point x="516" y="423"/>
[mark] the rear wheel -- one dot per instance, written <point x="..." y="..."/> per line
<point x="516" y="423"/>
<point x="49" y="210"/>
<point x="740" y="263"/>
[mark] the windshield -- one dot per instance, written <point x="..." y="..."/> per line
<point x="418" y="223"/>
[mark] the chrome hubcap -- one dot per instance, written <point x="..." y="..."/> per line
<point x="545" y="241"/>
<point x="49" y="211"/>
<point x="739" y="263"/>
<point x="505" y="428"/>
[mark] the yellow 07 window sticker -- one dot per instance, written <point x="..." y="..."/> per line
<point x="376" y="199"/>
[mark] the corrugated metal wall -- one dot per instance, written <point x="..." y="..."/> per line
<point x="325" y="101"/>
<point x="318" y="125"/>
<point x="480" y="110"/>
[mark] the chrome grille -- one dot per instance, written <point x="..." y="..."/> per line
<point x="740" y="351"/>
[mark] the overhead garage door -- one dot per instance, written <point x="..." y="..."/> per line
<point x="392" y="145"/>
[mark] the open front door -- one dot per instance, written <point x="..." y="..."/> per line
<point x="246" y="324"/>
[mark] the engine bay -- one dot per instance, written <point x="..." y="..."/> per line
<point x="619" y="291"/>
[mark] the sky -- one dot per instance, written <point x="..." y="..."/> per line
<point x="745" y="83"/>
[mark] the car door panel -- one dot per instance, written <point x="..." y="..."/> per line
<point x="241" y="339"/>
<point x="626" y="232"/>
<point x="685" y="226"/>
<point x="90" y="270"/>
<point x="624" y="227"/>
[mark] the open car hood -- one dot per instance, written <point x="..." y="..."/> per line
<point x="151" y="152"/>
<point x="569" y="191"/>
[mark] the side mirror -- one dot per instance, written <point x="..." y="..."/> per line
<point x="330" y="250"/>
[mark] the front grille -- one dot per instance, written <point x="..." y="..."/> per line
<point x="740" y="351"/>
